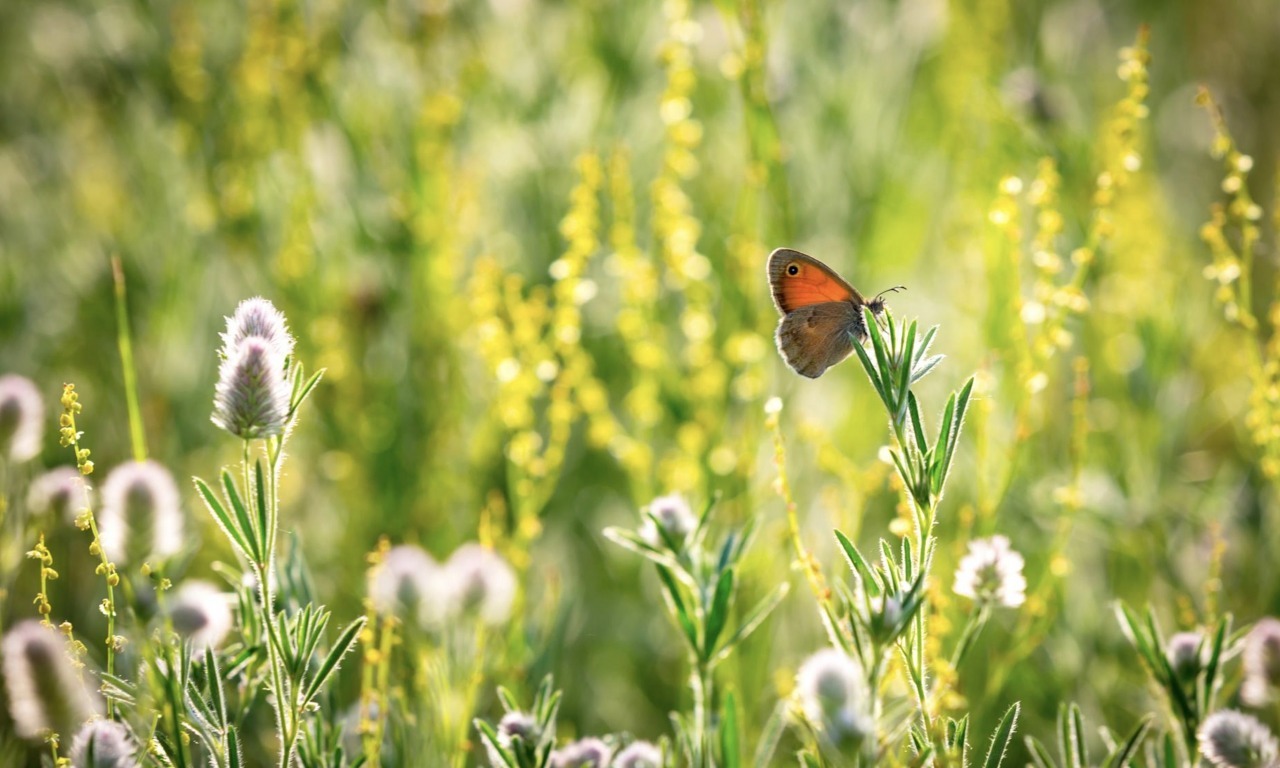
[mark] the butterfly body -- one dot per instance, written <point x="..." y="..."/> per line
<point x="821" y="312"/>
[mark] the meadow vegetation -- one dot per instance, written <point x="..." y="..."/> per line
<point x="395" y="384"/>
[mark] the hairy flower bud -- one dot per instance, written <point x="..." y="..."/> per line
<point x="1230" y="739"/>
<point x="21" y="418"/>
<point x="583" y="753"/>
<point x="673" y="516"/>
<point x="639" y="754"/>
<point x="481" y="582"/>
<point x="140" y="515"/>
<point x="201" y="613"/>
<point x="103" y="744"/>
<point x="1183" y="652"/>
<point x="410" y="585"/>
<point x="45" y="692"/>
<point x="1261" y="663"/>
<point x="61" y="491"/>
<point x="833" y="696"/>
<point x="251" y="399"/>
<point x="257" y="318"/>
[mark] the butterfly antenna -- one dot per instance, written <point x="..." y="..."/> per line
<point x="894" y="289"/>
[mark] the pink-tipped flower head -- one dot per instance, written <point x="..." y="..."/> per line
<point x="103" y="744"/>
<point x="673" y="516"/>
<point x="61" y="491"/>
<point x="480" y="582"/>
<point x="992" y="572"/>
<point x="45" y="692"/>
<point x="639" y="754"/>
<point x="409" y="584"/>
<point x="259" y="319"/>
<point x="583" y="753"/>
<point x="21" y="418"/>
<point x="251" y="399"/>
<point x="1183" y="652"/>
<point x="201" y="613"/>
<point x="140" y="515"/>
<point x="1261" y="663"/>
<point x="1231" y="739"/>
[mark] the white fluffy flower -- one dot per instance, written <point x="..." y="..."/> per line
<point x="257" y="318"/>
<point x="673" y="516"/>
<point x="583" y="753"/>
<point x="251" y="399"/>
<point x="45" y="692"/>
<point x="992" y="572"/>
<point x="103" y="744"/>
<point x="639" y="754"/>
<point x="833" y="696"/>
<point x="61" y="491"/>
<point x="140" y="515"/>
<point x="21" y="418"/>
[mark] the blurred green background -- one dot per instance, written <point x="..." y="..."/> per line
<point x="370" y="168"/>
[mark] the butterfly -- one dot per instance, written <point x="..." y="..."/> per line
<point x="821" y="313"/>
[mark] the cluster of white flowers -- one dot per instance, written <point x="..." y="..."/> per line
<point x="252" y="396"/>
<point x="45" y="692"/>
<point x="992" y="573"/>
<point x="474" y="581"/>
<point x="833" y="697"/>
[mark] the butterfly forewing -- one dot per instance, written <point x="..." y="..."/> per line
<point x="799" y="280"/>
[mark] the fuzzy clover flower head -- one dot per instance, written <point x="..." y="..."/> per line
<point x="140" y="514"/>
<point x="21" y="418"/>
<point x="201" y="613"/>
<point x="45" y="692"/>
<point x="411" y="585"/>
<point x="259" y="319"/>
<point x="103" y="744"/>
<point x="61" y="491"/>
<point x="251" y="399"/>
<point x="833" y="696"/>
<point x="583" y="753"/>
<point x="639" y="754"/>
<point x="1261" y="663"/>
<point x="1183" y="652"/>
<point x="992" y="572"/>
<point x="1231" y="739"/>
<point x="520" y="725"/>
<point x="673" y="515"/>
<point x="479" y="581"/>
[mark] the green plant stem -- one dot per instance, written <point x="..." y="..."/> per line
<point x="701" y="682"/>
<point x="137" y="437"/>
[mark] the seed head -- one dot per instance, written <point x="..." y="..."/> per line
<point x="61" y="491"/>
<point x="673" y="516"/>
<point x="201" y="613"/>
<point x="45" y="693"/>
<point x="481" y="582"/>
<point x="583" y="753"/>
<point x="992" y="572"/>
<point x="1230" y="739"/>
<point x="140" y="514"/>
<point x="21" y="418"/>
<point x="410" y="585"/>
<point x="103" y="744"/>
<point x="251" y="399"/>
<point x="257" y="318"/>
<point x="639" y="754"/>
<point x="1261" y="663"/>
<point x="833" y="696"/>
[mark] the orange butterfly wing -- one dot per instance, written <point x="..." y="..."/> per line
<point x="799" y="280"/>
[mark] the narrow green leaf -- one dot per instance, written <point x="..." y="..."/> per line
<point x="922" y="348"/>
<point x="770" y="736"/>
<point x="1079" y="750"/>
<point x="490" y="738"/>
<point x="671" y="590"/>
<point x="301" y="394"/>
<point x="1003" y="735"/>
<point x="346" y="641"/>
<point x="730" y="732"/>
<point x="922" y="369"/>
<point x="1039" y="755"/>
<point x="859" y="565"/>
<point x="248" y="532"/>
<point x="917" y="424"/>
<point x="234" y="758"/>
<point x="1209" y="685"/>
<point x="223" y="519"/>
<point x="632" y="541"/>
<point x="872" y="374"/>
<point x="217" y="698"/>
<point x="718" y="616"/>
<point x="753" y="620"/>
<point x="265" y="534"/>
<point x="1129" y="749"/>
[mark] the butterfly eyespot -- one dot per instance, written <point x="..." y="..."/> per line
<point x="793" y="270"/>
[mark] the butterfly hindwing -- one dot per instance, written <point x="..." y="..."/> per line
<point x="815" y="337"/>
